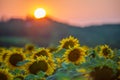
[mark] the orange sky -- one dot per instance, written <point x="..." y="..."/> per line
<point x="78" y="12"/>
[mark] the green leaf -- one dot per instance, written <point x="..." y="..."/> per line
<point x="30" y="77"/>
<point x="59" y="53"/>
<point x="17" y="71"/>
<point x="21" y="63"/>
<point x="41" y="74"/>
<point x="61" y="76"/>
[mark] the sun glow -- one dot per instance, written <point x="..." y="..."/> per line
<point x="40" y="13"/>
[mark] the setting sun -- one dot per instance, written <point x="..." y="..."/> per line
<point x="40" y="13"/>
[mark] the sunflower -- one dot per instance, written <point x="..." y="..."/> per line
<point x="42" y="52"/>
<point x="68" y="42"/>
<point x="102" y="73"/>
<point x="75" y="55"/>
<point x="97" y="48"/>
<point x="5" y="75"/>
<point x="106" y="51"/>
<point x="19" y="77"/>
<point x="13" y="58"/>
<point x="4" y="55"/>
<point x="29" y="47"/>
<point x="41" y="64"/>
<point x="2" y="50"/>
<point x="52" y="49"/>
<point x="16" y="49"/>
<point x="85" y="47"/>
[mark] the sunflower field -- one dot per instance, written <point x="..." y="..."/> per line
<point x="68" y="61"/>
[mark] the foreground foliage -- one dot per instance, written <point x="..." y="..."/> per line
<point x="68" y="61"/>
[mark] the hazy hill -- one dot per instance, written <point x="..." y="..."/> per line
<point x="46" y="32"/>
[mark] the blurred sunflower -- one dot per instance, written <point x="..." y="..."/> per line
<point x="41" y="64"/>
<point x="106" y="51"/>
<point x="69" y="43"/>
<point x="75" y="55"/>
<point x="29" y="47"/>
<point x="13" y="58"/>
<point x="85" y="47"/>
<point x="5" y="75"/>
<point x="52" y="49"/>
<point x="4" y="55"/>
<point x="16" y="49"/>
<point x="2" y="50"/>
<point x="97" y="48"/>
<point x="102" y="73"/>
<point x="41" y="52"/>
<point x="19" y="77"/>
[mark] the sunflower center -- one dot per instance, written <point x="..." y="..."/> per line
<point x="15" y="58"/>
<point x="41" y="53"/>
<point x="38" y="66"/>
<point x="102" y="73"/>
<point x="68" y="44"/>
<point x="3" y="76"/>
<point x="74" y="55"/>
<point x="106" y="51"/>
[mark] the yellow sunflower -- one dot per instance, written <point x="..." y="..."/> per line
<point x="2" y="50"/>
<point x="52" y="49"/>
<point x="106" y="51"/>
<point x="85" y="47"/>
<point x="41" y="52"/>
<point x="75" y="55"/>
<point x="13" y="58"/>
<point x="97" y="48"/>
<point x="5" y="75"/>
<point x="29" y="47"/>
<point x="4" y="54"/>
<point x="69" y="42"/>
<point x="16" y="49"/>
<point x="41" y="64"/>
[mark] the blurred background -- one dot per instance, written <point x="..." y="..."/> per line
<point x="93" y="22"/>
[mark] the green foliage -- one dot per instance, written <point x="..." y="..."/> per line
<point x="22" y="62"/>
<point x="60" y="53"/>
<point x="17" y="71"/>
<point x="30" y="77"/>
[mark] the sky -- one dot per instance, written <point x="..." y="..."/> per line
<point x="76" y="12"/>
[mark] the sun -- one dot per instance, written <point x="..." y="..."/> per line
<point x="39" y="13"/>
